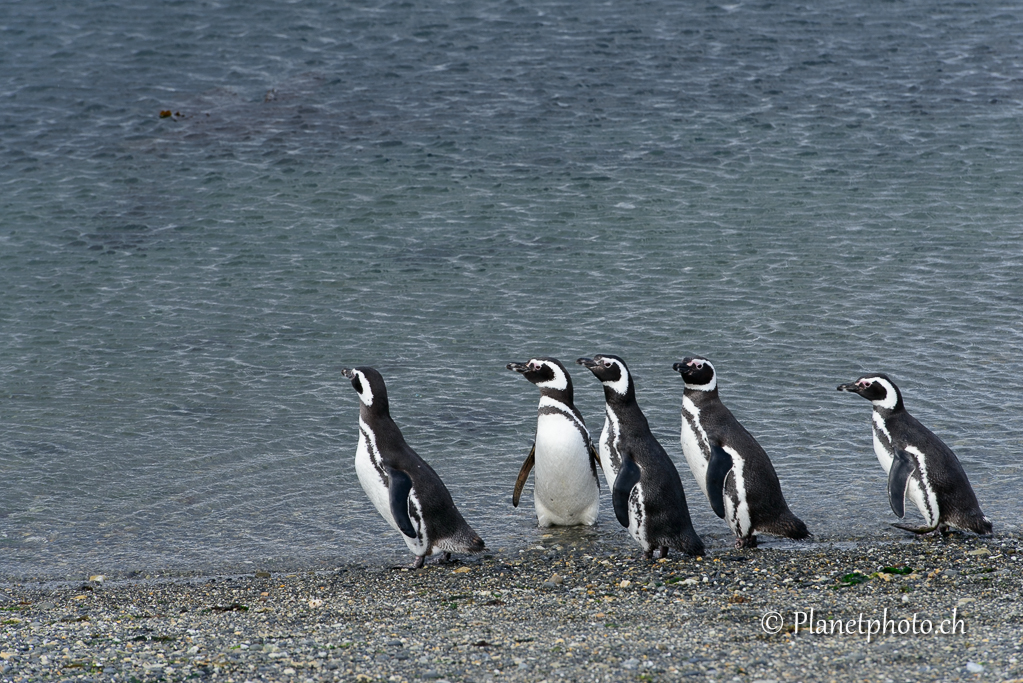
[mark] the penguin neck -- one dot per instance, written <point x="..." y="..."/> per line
<point x="614" y="398"/>
<point x="624" y="406"/>
<point x="886" y="412"/>
<point x="560" y="395"/>
<point x="378" y="411"/>
<point x="701" y="394"/>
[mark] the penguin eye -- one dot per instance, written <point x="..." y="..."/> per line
<point x="699" y="365"/>
<point x="607" y="363"/>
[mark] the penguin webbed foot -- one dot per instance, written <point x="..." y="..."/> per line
<point x="746" y="542"/>
<point x="419" y="562"/>
<point x="664" y="552"/>
<point x="648" y="554"/>
<point x="918" y="530"/>
<point x="445" y="558"/>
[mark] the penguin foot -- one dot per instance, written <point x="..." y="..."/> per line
<point x="919" y="530"/>
<point x="420" y="561"/>
<point x="648" y="554"/>
<point x="444" y="558"/>
<point x="746" y="542"/>
<point x="664" y="551"/>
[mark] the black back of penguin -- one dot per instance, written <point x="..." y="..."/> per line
<point x="768" y="511"/>
<point x="664" y="501"/>
<point x="440" y="516"/>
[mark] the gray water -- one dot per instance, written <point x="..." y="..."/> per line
<point x="801" y="194"/>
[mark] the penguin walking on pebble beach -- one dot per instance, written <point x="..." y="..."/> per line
<point x="645" y="487"/>
<point x="405" y="490"/>
<point x="919" y="464"/>
<point x="566" y="490"/>
<point x="732" y="469"/>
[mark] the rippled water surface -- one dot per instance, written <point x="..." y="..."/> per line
<point x="802" y="194"/>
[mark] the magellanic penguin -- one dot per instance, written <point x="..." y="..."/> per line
<point x="730" y="466"/>
<point x="566" y="490"/>
<point x="919" y="464"/>
<point x="402" y="486"/>
<point x="645" y="487"/>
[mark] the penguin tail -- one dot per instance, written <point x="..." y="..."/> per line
<point x="983" y="527"/>
<point x="787" y="525"/>
<point x="475" y="544"/>
<point x="977" y="523"/>
<point x="690" y="543"/>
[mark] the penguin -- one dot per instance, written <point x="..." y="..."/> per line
<point x="567" y="490"/>
<point x="646" y="490"/>
<point x="403" y="488"/>
<point x="919" y="464"/>
<point x="731" y="468"/>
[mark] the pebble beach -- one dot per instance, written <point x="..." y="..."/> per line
<point x="921" y="609"/>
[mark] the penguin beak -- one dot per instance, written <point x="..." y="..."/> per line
<point x="587" y="362"/>
<point x="851" y="387"/>
<point x="517" y="367"/>
<point x="347" y="373"/>
<point x="680" y="367"/>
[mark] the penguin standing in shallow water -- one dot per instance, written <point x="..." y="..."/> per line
<point x="645" y="487"/>
<point x="731" y="468"/>
<point x="567" y="491"/>
<point x="919" y="464"/>
<point x="402" y="486"/>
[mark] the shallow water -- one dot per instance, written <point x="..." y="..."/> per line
<point x="436" y="189"/>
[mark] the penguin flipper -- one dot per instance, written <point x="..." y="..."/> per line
<point x="399" y="489"/>
<point x="523" y="475"/>
<point x="594" y="461"/>
<point x="718" y="467"/>
<point x="628" y="476"/>
<point x="898" y="481"/>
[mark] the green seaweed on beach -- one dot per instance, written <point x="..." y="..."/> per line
<point x="897" y="570"/>
<point x="851" y="579"/>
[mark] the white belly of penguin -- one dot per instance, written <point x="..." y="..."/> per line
<point x="371" y="479"/>
<point x="637" y="518"/>
<point x="926" y="503"/>
<point x="693" y="444"/>
<point x="565" y="491"/>
<point x="379" y="494"/>
<point x="608" y="436"/>
<point x="737" y="512"/>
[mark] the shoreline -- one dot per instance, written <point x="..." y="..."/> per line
<point x="552" y="612"/>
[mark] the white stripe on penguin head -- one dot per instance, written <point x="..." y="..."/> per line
<point x="891" y="396"/>
<point x="621" y="385"/>
<point x="366" y="395"/>
<point x="559" y="382"/>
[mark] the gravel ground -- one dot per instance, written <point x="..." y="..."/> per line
<point x="560" y="611"/>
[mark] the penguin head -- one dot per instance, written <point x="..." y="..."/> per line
<point x="612" y="372"/>
<point x="545" y="373"/>
<point x="698" y="373"/>
<point x="878" y="389"/>
<point x="369" y="384"/>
